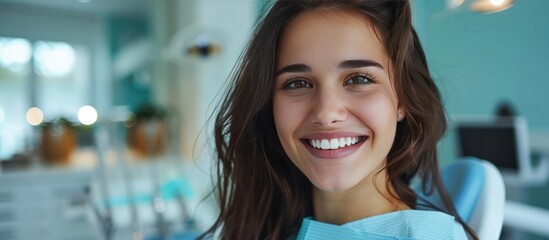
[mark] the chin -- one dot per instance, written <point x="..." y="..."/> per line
<point x="336" y="184"/>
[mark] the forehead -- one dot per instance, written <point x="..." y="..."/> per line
<point x="330" y="34"/>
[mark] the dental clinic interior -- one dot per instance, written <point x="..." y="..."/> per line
<point x="106" y="128"/>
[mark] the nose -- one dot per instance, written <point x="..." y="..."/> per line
<point x="329" y="108"/>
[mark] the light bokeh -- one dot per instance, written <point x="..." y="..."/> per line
<point x="35" y="116"/>
<point x="87" y="115"/>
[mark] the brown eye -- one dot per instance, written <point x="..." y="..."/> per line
<point x="359" y="79"/>
<point x="297" y="84"/>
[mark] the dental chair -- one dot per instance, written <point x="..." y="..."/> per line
<point x="477" y="189"/>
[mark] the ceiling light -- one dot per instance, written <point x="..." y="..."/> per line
<point x="497" y="2"/>
<point x="491" y="6"/>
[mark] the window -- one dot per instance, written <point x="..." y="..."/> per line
<point x="61" y="78"/>
<point x="53" y="76"/>
<point x="15" y="56"/>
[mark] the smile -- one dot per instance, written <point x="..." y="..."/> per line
<point x="334" y="143"/>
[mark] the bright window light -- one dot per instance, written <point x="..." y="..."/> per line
<point x="54" y="59"/>
<point x="14" y="53"/>
<point x="35" y="116"/>
<point x="87" y="115"/>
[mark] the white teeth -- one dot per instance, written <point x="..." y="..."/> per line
<point x="333" y="143"/>
<point x="312" y="142"/>
<point x="324" y="144"/>
<point x="342" y="142"/>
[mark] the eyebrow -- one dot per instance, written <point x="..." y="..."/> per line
<point x="293" y="69"/>
<point x="347" y="64"/>
<point x="359" y="63"/>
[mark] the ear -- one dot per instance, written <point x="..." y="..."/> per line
<point x="400" y="114"/>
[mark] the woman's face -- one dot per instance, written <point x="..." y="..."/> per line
<point x="335" y="109"/>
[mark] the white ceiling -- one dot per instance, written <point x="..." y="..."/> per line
<point x="139" y="7"/>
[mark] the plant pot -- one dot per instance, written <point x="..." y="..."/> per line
<point x="147" y="145"/>
<point x="57" y="143"/>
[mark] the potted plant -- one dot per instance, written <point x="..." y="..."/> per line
<point x="147" y="131"/>
<point x="57" y="141"/>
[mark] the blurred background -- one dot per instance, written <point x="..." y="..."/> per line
<point x="104" y="105"/>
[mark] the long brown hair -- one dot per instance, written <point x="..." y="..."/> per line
<point x="261" y="194"/>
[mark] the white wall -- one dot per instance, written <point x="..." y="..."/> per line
<point x="191" y="86"/>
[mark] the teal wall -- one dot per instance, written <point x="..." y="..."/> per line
<point x="132" y="90"/>
<point x="479" y="60"/>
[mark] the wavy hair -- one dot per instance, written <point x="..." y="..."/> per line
<point x="261" y="194"/>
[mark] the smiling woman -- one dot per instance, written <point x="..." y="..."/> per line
<point x="346" y="93"/>
<point x="330" y="114"/>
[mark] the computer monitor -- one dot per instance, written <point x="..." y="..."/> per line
<point x="502" y="141"/>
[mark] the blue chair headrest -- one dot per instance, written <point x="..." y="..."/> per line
<point x="463" y="180"/>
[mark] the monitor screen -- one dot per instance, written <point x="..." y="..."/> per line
<point x="495" y="143"/>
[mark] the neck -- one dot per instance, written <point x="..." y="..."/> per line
<point x="366" y="199"/>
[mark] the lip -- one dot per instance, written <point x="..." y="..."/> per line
<point x="330" y="135"/>
<point x="333" y="153"/>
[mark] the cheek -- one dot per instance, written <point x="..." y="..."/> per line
<point x="290" y="116"/>
<point x="378" y="112"/>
